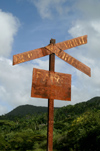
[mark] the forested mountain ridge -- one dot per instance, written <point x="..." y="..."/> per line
<point x="78" y="108"/>
<point x="76" y="128"/>
<point x="24" y="110"/>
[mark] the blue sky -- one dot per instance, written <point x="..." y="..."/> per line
<point x="29" y="24"/>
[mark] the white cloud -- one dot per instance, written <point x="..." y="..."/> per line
<point x="90" y="28"/>
<point x="8" y="28"/>
<point x="15" y="81"/>
<point x="47" y="8"/>
<point x="88" y="24"/>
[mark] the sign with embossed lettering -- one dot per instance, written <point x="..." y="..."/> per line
<point x="41" y="52"/>
<point x="51" y="85"/>
<point x="72" y="43"/>
<point x="30" y="55"/>
<point x="58" y="50"/>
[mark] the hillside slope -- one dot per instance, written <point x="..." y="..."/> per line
<point x="24" y="110"/>
<point x="76" y="109"/>
<point x="76" y="128"/>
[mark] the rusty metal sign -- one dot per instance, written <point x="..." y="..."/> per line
<point x="69" y="59"/>
<point x="41" y="52"/>
<point x="72" y="43"/>
<point x="51" y="85"/>
<point x="30" y="55"/>
<point x="75" y="63"/>
<point x="58" y="50"/>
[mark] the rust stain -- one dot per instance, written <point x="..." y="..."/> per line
<point x="52" y="85"/>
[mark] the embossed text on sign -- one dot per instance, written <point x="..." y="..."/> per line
<point x="72" y="43"/>
<point x="67" y="44"/>
<point x="66" y="57"/>
<point x="30" y="55"/>
<point x="41" y="52"/>
<point x="71" y="60"/>
<point x="52" y="85"/>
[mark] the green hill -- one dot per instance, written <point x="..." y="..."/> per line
<point x="76" y="109"/>
<point x="73" y="111"/>
<point x="67" y="111"/>
<point x="76" y="128"/>
<point x="24" y="110"/>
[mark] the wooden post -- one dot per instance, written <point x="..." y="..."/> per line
<point x="50" y="105"/>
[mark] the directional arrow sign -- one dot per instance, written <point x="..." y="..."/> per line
<point x="72" y="43"/>
<point x="69" y="59"/>
<point x="30" y="55"/>
<point x="41" y="52"/>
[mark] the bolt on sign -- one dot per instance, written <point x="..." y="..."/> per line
<point x="50" y="84"/>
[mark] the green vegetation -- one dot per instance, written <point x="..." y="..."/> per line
<point x="76" y="128"/>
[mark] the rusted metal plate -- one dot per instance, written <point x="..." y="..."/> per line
<point x="30" y="55"/>
<point x="72" y="43"/>
<point x="51" y="85"/>
<point x="72" y="61"/>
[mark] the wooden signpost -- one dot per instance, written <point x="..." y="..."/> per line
<point x="50" y="84"/>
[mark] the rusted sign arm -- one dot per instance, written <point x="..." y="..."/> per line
<point x="72" y="43"/>
<point x="72" y="61"/>
<point x="30" y="55"/>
